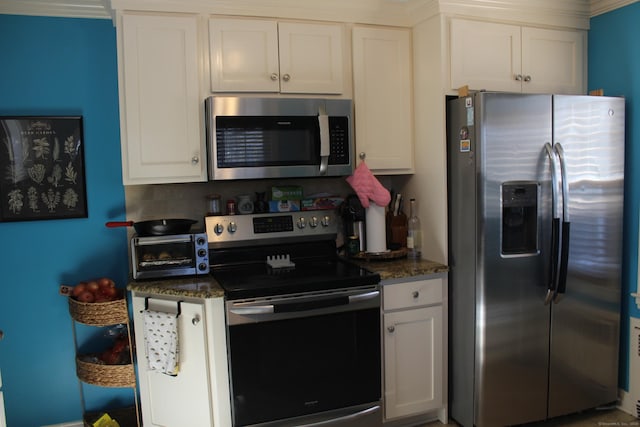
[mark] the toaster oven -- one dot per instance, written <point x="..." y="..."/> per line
<point x="169" y="256"/>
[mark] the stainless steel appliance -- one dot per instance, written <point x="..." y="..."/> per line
<point x="250" y="138"/>
<point x="303" y="324"/>
<point x="535" y="216"/>
<point x="169" y="255"/>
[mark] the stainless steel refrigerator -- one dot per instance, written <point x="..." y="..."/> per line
<point x="535" y="247"/>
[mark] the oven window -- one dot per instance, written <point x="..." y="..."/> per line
<point x="247" y="141"/>
<point x="288" y="368"/>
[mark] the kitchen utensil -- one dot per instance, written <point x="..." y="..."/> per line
<point x="157" y="227"/>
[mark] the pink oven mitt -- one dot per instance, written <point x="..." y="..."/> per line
<point x="367" y="187"/>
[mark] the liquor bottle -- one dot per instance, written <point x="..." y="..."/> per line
<point x="414" y="232"/>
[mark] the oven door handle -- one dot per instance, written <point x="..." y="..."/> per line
<point x="290" y="307"/>
<point x="347" y="417"/>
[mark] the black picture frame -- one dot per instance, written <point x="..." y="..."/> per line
<point x="42" y="173"/>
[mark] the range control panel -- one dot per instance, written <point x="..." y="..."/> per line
<point x="239" y="229"/>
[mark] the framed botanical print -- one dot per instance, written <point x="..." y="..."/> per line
<point x="41" y="168"/>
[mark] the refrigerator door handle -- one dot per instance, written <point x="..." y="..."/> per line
<point x="566" y="226"/>
<point x="555" y="228"/>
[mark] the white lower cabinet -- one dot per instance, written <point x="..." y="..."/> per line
<point x="414" y="348"/>
<point x="196" y="396"/>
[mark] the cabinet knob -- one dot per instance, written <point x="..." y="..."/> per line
<point x="286" y="77"/>
<point x="1" y="334"/>
<point x="391" y="329"/>
<point x="518" y="77"/>
<point x="195" y="320"/>
<point x="415" y="294"/>
<point x="362" y="155"/>
<point x="527" y="78"/>
<point x="195" y="160"/>
<point x="274" y="76"/>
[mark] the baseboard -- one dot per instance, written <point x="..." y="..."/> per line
<point x="71" y="424"/>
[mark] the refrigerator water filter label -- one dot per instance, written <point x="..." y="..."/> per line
<point x="465" y="145"/>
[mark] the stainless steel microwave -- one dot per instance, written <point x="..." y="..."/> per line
<point x="252" y="138"/>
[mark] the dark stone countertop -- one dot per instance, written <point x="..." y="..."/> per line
<point x="403" y="268"/>
<point x="208" y="287"/>
<point x="196" y="287"/>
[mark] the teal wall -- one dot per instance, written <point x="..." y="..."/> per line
<point x="58" y="66"/>
<point x="614" y="65"/>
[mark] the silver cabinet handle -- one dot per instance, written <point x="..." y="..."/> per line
<point x="195" y="160"/>
<point x="518" y="77"/>
<point x="415" y="294"/>
<point x="274" y="76"/>
<point x="362" y="155"/>
<point x="195" y="320"/>
<point x="391" y="329"/>
<point x="527" y="78"/>
<point x="286" y="77"/>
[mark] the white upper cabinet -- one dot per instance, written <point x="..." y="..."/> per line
<point x="160" y="109"/>
<point x="503" y="57"/>
<point x="251" y="55"/>
<point x="383" y="100"/>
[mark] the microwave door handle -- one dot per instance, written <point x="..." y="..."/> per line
<point x="323" y="121"/>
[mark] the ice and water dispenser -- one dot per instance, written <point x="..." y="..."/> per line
<point x="519" y="218"/>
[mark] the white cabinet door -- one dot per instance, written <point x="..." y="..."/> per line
<point x="310" y="58"/>
<point x="383" y="100"/>
<point x="413" y="361"/>
<point x="244" y="55"/>
<point x="161" y="118"/>
<point x="3" y="419"/>
<point x="250" y="55"/>
<point x="554" y="61"/>
<point x="485" y="55"/>
<point x="183" y="399"/>
<point x="501" y="57"/>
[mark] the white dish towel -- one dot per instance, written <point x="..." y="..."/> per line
<point x="161" y="341"/>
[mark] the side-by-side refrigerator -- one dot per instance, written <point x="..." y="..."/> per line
<point x="535" y="238"/>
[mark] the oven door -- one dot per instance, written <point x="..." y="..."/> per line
<point x="309" y="359"/>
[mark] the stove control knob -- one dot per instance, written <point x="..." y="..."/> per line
<point x="326" y="220"/>
<point x="218" y="229"/>
<point x="233" y="227"/>
<point x="302" y="223"/>
<point x="313" y="222"/>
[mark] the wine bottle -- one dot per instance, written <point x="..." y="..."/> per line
<point x="414" y="232"/>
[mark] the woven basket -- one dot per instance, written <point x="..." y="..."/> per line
<point x="99" y="313"/>
<point x="106" y="375"/>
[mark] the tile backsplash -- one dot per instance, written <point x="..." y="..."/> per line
<point x="147" y="202"/>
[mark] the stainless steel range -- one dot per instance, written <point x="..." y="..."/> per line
<point x="303" y="323"/>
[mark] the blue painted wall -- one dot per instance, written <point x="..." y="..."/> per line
<point x="58" y="66"/>
<point x="614" y="65"/>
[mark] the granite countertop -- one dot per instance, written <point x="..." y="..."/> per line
<point x="208" y="287"/>
<point x="402" y="268"/>
<point x="196" y="287"/>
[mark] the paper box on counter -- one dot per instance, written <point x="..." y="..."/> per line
<point x="284" y="205"/>
<point x="286" y="192"/>
<point x="320" y="203"/>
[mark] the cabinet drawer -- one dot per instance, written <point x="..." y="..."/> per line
<point x="412" y="294"/>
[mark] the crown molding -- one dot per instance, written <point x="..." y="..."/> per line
<point x="598" y="7"/>
<point x="565" y="13"/>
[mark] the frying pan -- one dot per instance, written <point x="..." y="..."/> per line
<point x="156" y="227"/>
